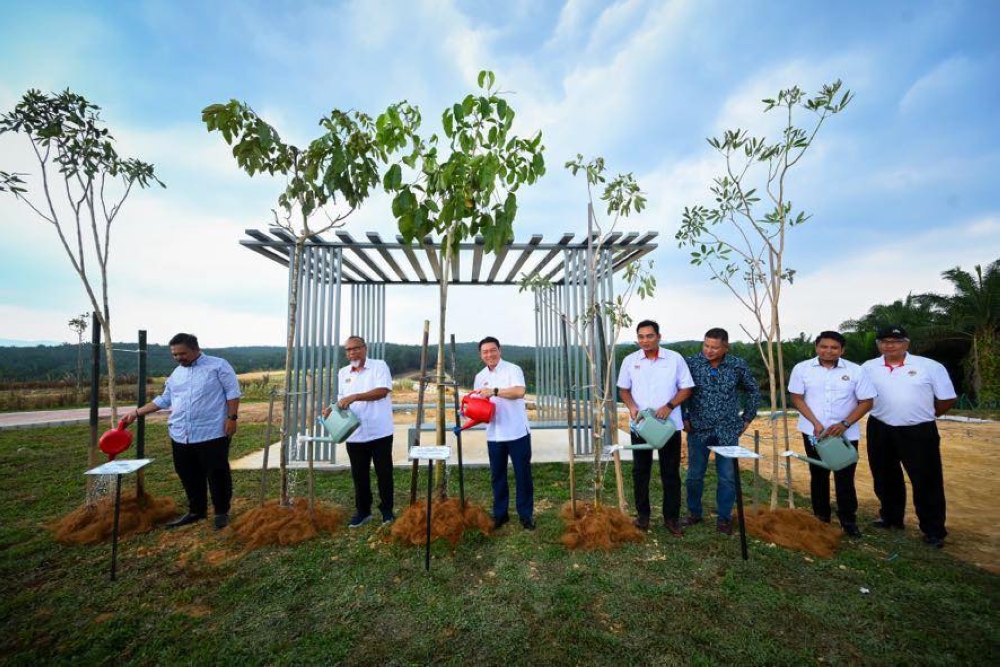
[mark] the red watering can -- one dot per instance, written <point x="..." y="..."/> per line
<point x="477" y="410"/>
<point x="116" y="441"/>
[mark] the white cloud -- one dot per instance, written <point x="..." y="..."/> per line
<point x="947" y="77"/>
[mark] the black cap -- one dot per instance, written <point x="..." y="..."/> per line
<point x="890" y="331"/>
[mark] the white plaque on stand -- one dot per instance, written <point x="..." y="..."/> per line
<point x="119" y="467"/>
<point x="736" y="452"/>
<point x="432" y="453"/>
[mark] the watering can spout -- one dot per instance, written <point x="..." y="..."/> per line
<point x="812" y="461"/>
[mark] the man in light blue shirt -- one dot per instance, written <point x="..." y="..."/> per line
<point x="203" y="396"/>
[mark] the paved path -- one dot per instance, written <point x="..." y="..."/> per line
<point x="40" y="418"/>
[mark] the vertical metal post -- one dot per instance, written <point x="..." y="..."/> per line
<point x="140" y="426"/>
<point x="430" y="506"/>
<point x="458" y="424"/>
<point x="114" y="528"/>
<point x="569" y="419"/>
<point x="756" y="467"/>
<point x="739" y="507"/>
<point x="335" y="366"/>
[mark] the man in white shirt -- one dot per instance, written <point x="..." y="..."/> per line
<point x="831" y="395"/>
<point x="912" y="392"/>
<point x="657" y="378"/>
<point x="363" y="387"/>
<point x="507" y="434"/>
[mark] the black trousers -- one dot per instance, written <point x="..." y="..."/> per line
<point x="199" y="462"/>
<point x="362" y="455"/>
<point x="670" y="476"/>
<point x="918" y="449"/>
<point x="819" y="488"/>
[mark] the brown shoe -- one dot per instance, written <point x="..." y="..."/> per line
<point x="724" y="526"/>
<point x="642" y="523"/>
<point x="673" y="527"/>
<point x="691" y="520"/>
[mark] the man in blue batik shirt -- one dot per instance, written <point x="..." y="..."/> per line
<point x="203" y="396"/>
<point x="715" y="416"/>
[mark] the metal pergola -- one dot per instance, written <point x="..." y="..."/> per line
<point x="368" y="266"/>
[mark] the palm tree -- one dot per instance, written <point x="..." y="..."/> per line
<point x="917" y="313"/>
<point x="973" y="313"/>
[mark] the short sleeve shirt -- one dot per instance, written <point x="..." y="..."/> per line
<point x="653" y="382"/>
<point x="831" y="393"/>
<point x="906" y="393"/>
<point x="510" y="421"/>
<point x="375" y="416"/>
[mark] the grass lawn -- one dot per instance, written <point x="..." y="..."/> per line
<point x="191" y="596"/>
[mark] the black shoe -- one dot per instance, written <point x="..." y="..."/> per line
<point x="724" y="526"/>
<point x="387" y="517"/>
<point x="642" y="523"/>
<point x="185" y="520"/>
<point x="886" y="525"/>
<point x="851" y="529"/>
<point x="359" y="520"/>
<point x="500" y="521"/>
<point x="820" y="517"/>
<point x="528" y="523"/>
<point x="935" y="541"/>
<point x="673" y="527"/>
<point x="221" y="521"/>
<point x="691" y="520"/>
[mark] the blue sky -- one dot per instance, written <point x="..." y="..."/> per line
<point x="902" y="186"/>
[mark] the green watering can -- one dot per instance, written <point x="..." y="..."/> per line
<point x="339" y="425"/>
<point x="655" y="432"/>
<point x="835" y="453"/>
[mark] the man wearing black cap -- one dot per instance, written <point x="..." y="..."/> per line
<point x="912" y="392"/>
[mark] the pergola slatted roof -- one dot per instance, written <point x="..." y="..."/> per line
<point x="377" y="261"/>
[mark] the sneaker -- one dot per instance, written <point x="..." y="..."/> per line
<point x="886" y="525"/>
<point x="359" y="520"/>
<point x="673" y="527"/>
<point x="935" y="541"/>
<point x="642" y="523"/>
<point x="387" y="517"/>
<point x="691" y="520"/>
<point x="500" y="521"/>
<point x="528" y="523"/>
<point x="724" y="526"/>
<point x="852" y="530"/>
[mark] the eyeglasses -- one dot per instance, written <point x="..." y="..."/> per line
<point x="354" y="348"/>
<point x="893" y="341"/>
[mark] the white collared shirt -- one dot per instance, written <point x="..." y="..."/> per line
<point x="906" y="393"/>
<point x="375" y="416"/>
<point x="510" y="421"/>
<point x="653" y="382"/>
<point x="831" y="393"/>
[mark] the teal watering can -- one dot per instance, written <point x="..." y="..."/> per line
<point x="835" y="453"/>
<point x="655" y="432"/>
<point x="339" y="425"/>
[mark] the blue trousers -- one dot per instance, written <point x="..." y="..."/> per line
<point x="725" y="492"/>
<point x="519" y="452"/>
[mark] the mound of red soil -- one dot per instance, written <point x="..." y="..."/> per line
<point x="275" y="524"/>
<point x="600" y="527"/>
<point x="794" y="529"/>
<point x="449" y="520"/>
<point x="93" y="524"/>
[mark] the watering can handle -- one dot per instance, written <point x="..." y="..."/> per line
<point x="122" y="426"/>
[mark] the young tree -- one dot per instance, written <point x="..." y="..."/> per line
<point x="79" y="326"/>
<point x="465" y="187"/>
<point x="326" y="182"/>
<point x="742" y="239"/>
<point x="83" y="183"/>
<point x="622" y="196"/>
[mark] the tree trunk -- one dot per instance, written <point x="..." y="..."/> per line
<point x="293" y="302"/>
<point x="439" y="466"/>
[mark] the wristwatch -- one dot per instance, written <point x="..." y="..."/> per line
<point x="234" y="417"/>
<point x="496" y="391"/>
<point x="671" y="405"/>
<point x="845" y="423"/>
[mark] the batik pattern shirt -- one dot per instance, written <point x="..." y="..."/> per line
<point x="716" y="405"/>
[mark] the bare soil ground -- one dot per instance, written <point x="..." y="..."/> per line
<point x="971" y="488"/>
